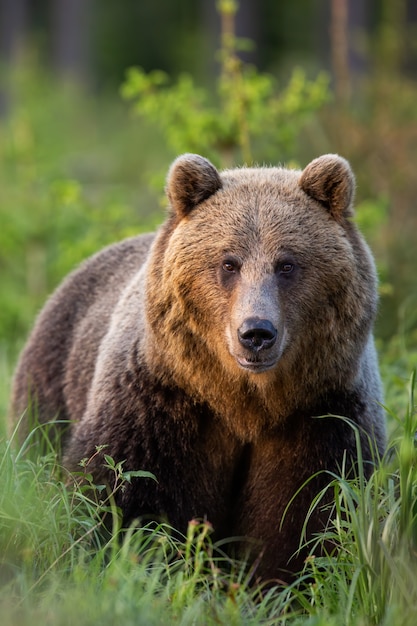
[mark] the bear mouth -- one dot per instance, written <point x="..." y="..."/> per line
<point x="255" y="365"/>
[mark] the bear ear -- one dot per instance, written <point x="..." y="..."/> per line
<point x="330" y="180"/>
<point x="191" y="179"/>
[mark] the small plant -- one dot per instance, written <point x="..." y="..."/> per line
<point x="248" y="118"/>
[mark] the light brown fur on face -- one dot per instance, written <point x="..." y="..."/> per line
<point x="262" y="217"/>
<point x="206" y="353"/>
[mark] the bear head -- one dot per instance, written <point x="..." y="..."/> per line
<point x="259" y="283"/>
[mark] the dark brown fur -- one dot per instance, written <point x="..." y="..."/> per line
<point x="140" y="349"/>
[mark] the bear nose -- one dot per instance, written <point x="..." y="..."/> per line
<point x="257" y="334"/>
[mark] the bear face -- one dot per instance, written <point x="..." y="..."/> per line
<point x="265" y="287"/>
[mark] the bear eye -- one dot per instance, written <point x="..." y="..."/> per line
<point x="230" y="266"/>
<point x="286" y="268"/>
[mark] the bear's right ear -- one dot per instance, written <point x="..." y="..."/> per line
<point x="191" y="179"/>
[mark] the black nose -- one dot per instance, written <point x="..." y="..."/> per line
<point x="257" y="334"/>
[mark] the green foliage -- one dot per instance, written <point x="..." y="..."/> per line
<point x="71" y="181"/>
<point x="58" y="560"/>
<point x="398" y="357"/>
<point x="73" y="178"/>
<point x="371" y="577"/>
<point x="377" y="132"/>
<point x="371" y="217"/>
<point x="246" y="119"/>
<point x="59" y="564"/>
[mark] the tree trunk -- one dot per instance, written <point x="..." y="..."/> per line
<point x="70" y="30"/>
<point x="13" y="20"/>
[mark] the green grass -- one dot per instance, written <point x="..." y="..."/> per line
<point x="58" y="565"/>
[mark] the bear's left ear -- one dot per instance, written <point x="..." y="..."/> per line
<point x="191" y="179"/>
<point x="330" y="181"/>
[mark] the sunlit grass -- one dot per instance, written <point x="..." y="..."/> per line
<point x="60" y="565"/>
<point x="372" y="574"/>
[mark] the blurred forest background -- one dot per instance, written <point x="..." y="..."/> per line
<point x="84" y="143"/>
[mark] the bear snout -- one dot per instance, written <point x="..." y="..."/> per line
<point x="257" y="334"/>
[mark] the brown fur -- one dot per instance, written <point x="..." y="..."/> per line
<point x="140" y="349"/>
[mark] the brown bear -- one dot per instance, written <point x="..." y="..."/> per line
<point x="206" y="353"/>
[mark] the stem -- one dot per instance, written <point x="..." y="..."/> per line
<point x="231" y="77"/>
<point x="340" y="49"/>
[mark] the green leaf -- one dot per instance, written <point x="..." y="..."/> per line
<point x="138" y="474"/>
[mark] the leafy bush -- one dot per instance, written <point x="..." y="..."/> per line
<point x="72" y="179"/>
<point x="247" y="118"/>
